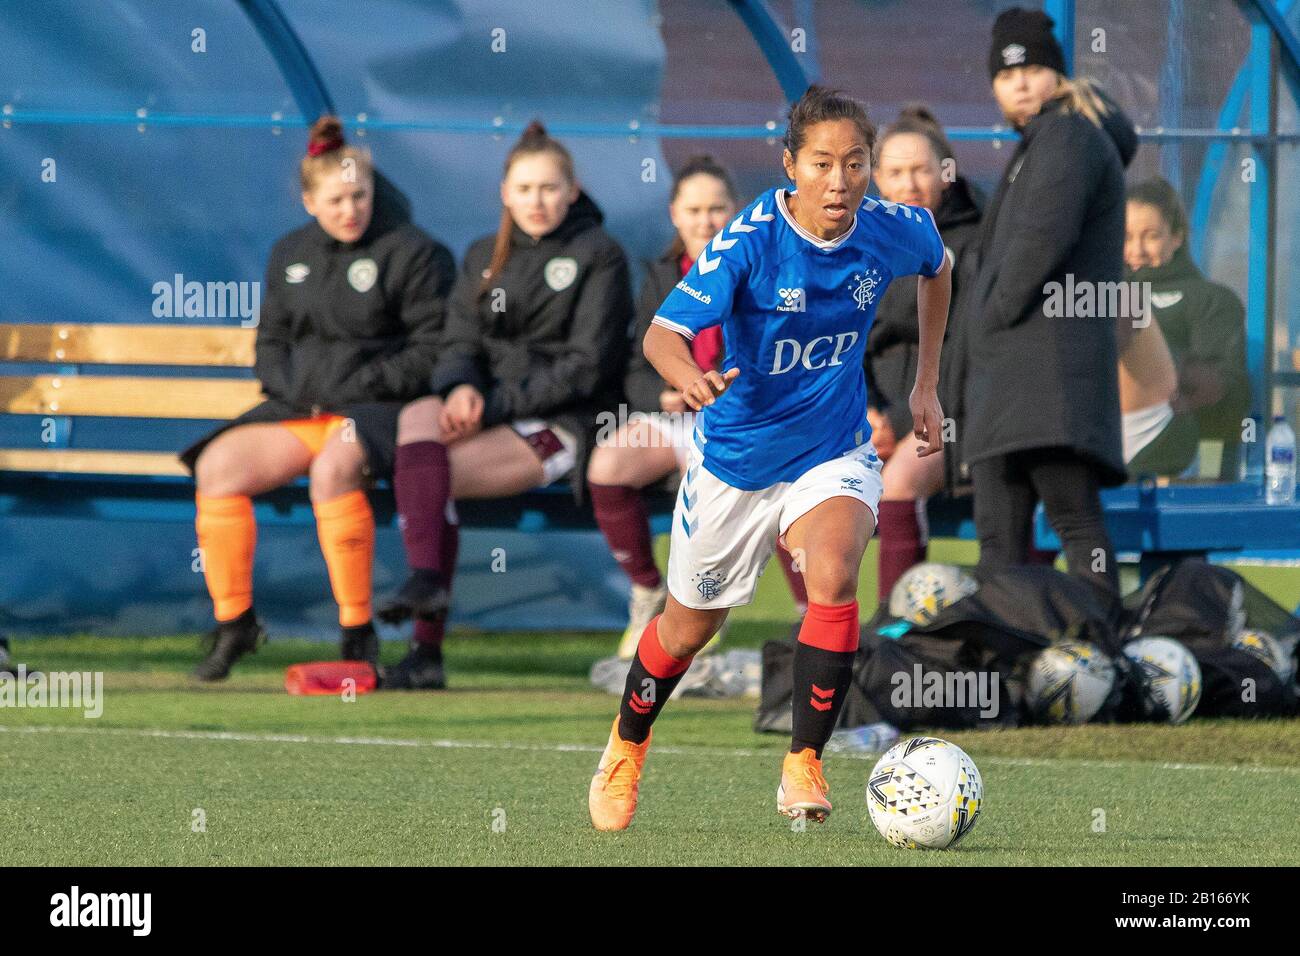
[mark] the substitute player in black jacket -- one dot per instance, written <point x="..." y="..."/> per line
<point x="913" y="165"/>
<point x="1203" y="322"/>
<point x="535" y="348"/>
<point x="352" y="309"/>
<point x="1042" y="416"/>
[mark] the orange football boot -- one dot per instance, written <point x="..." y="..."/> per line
<point x="612" y="797"/>
<point x="803" y="789"/>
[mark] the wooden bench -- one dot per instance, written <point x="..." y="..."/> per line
<point x="78" y="386"/>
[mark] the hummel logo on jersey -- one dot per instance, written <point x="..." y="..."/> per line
<point x="731" y="235"/>
<point x="790" y="352"/>
<point x="695" y="293"/>
<point x="792" y="300"/>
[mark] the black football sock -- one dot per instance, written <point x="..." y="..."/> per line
<point x="651" y="680"/>
<point x="823" y="668"/>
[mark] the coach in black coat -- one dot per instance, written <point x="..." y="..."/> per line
<point x="1042" y="412"/>
<point x="1036" y="380"/>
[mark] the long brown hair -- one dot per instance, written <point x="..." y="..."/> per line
<point x="701" y="165"/>
<point x="534" y="140"/>
<point x="327" y="150"/>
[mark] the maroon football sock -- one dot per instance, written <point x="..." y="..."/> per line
<point x="422" y="485"/>
<point x="902" y="543"/>
<point x="432" y="632"/>
<point x="622" y="518"/>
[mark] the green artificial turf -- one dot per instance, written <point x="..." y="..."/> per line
<point x="495" y="771"/>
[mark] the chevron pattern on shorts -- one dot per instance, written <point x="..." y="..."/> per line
<point x="689" y="496"/>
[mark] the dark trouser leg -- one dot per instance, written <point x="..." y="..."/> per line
<point x="1004" y="510"/>
<point x="1071" y="496"/>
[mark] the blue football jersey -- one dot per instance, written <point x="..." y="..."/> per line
<point x="795" y="311"/>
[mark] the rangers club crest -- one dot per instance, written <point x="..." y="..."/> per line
<point x="362" y="275"/>
<point x="560" y="273"/>
<point x="709" y="584"/>
<point x="867" y="288"/>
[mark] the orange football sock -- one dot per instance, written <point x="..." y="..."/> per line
<point x="227" y="538"/>
<point x="346" y="527"/>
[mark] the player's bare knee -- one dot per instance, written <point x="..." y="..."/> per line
<point x="832" y="579"/>
<point x="605" y="467"/>
<point x="333" y="474"/>
<point x="218" y="473"/>
<point x="418" y="421"/>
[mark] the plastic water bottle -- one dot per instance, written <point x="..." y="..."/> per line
<point x="1251" y="463"/>
<point x="1279" y="468"/>
<point x="869" y="738"/>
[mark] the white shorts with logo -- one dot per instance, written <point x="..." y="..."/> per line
<point x="722" y="536"/>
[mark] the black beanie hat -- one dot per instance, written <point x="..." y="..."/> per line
<point x="1024" y="38"/>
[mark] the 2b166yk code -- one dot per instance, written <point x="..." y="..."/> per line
<point x="1157" y="899"/>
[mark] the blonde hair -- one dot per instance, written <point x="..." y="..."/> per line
<point x="327" y="151"/>
<point x="1081" y="96"/>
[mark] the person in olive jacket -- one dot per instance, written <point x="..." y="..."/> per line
<point x="915" y="165"/>
<point x="1042" y="411"/>
<point x="1203" y="322"/>
<point x="534" y="349"/>
<point x="347" y="335"/>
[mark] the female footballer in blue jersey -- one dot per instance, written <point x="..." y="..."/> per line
<point x="782" y="448"/>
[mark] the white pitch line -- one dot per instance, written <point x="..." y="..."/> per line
<point x="738" y="752"/>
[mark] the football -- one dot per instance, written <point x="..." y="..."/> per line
<point x="928" y="588"/>
<point x="925" y="794"/>
<point x="1169" y="676"/>
<point x="1265" y="647"/>
<point x="1068" y="683"/>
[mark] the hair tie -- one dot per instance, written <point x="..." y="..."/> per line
<point x="324" y="146"/>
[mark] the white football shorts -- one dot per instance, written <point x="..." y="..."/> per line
<point x="722" y="536"/>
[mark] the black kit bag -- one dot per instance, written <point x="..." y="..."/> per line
<point x="1205" y="607"/>
<point x="996" y="631"/>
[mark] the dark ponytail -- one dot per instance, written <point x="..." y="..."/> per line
<point x="818" y="105"/>
<point x="534" y="139"/>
